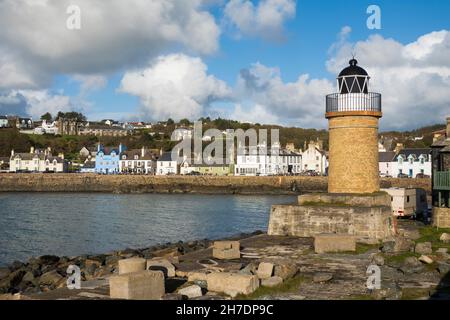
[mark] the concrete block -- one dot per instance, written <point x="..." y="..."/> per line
<point x="271" y="282"/>
<point x="232" y="284"/>
<point x="132" y="265"/>
<point x="163" y="265"/>
<point x="265" y="270"/>
<point x="191" y="292"/>
<point x="324" y="243"/>
<point x="227" y="250"/>
<point x="144" y="285"/>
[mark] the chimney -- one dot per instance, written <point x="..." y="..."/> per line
<point x="448" y="128"/>
<point x="399" y="147"/>
<point x="161" y="152"/>
<point x="143" y="152"/>
<point x="12" y="153"/>
<point x="61" y="155"/>
<point x="32" y="150"/>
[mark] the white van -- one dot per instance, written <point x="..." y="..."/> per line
<point x="407" y="202"/>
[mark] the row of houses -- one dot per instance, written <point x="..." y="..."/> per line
<point x="408" y="162"/>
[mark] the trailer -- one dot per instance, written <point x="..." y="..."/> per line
<point x="408" y="202"/>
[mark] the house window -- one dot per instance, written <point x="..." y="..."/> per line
<point x="407" y="199"/>
<point x="422" y="161"/>
<point x="400" y="161"/>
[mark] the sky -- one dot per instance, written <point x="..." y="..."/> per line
<point x="266" y="61"/>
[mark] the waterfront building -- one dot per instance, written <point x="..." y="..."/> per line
<point x="441" y="179"/>
<point x="37" y="161"/>
<point x="24" y="123"/>
<point x="4" y="164"/>
<point x="107" y="159"/>
<point x="259" y="161"/>
<point x="4" y="123"/>
<point x="101" y="130"/>
<point x="47" y="128"/>
<point x="385" y="163"/>
<point x="314" y="158"/>
<point x="137" y="161"/>
<point x="166" y="165"/>
<point x="411" y="162"/>
<point x="88" y="153"/>
<point x="88" y="167"/>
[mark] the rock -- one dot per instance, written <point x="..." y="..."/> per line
<point x="166" y="253"/>
<point x="400" y="244"/>
<point x="271" y="282"/>
<point x="285" y="270"/>
<point x="249" y="269"/>
<point x="11" y="281"/>
<point x="16" y="265"/>
<point x="28" y="277"/>
<point x="46" y="260"/>
<point x="411" y="265"/>
<point x="227" y="250"/>
<point x="265" y="270"/>
<point x="4" y="272"/>
<point x="443" y="268"/>
<point x="426" y="259"/>
<point x="388" y="291"/>
<point x="324" y="243"/>
<point x="423" y="248"/>
<point x="442" y="251"/>
<point x="172" y="297"/>
<point x="90" y="270"/>
<point x="322" y="277"/>
<point x="97" y="262"/>
<point x="163" y="265"/>
<point x="197" y="276"/>
<point x="144" y="285"/>
<point x="132" y="265"/>
<point x="232" y="284"/>
<point x="378" y="259"/>
<point x="191" y="292"/>
<point x="412" y="234"/>
<point x="112" y="260"/>
<point x="445" y="238"/>
<point x="50" y="278"/>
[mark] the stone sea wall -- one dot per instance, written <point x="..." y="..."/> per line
<point x="178" y="184"/>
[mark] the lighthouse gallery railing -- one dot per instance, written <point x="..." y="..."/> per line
<point x="337" y="102"/>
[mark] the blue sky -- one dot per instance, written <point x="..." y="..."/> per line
<point x="299" y="45"/>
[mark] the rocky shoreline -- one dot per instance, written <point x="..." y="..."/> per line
<point x="415" y="264"/>
<point x="285" y="185"/>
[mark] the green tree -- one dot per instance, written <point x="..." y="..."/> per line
<point x="47" y="116"/>
<point x="170" y="122"/>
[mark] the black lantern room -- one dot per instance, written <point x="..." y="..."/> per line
<point x="353" y="79"/>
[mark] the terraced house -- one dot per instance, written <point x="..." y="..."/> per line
<point x="138" y="161"/>
<point x="441" y="179"/>
<point x="37" y="161"/>
<point x="107" y="159"/>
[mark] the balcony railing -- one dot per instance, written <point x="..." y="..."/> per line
<point x="337" y="102"/>
<point x="441" y="180"/>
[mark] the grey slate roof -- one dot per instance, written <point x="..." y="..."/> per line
<point x="387" y="156"/>
<point x="415" y="152"/>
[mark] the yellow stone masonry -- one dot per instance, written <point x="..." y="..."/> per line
<point x="353" y="154"/>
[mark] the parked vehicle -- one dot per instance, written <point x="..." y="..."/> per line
<point x="422" y="176"/>
<point x="403" y="176"/>
<point x="408" y="202"/>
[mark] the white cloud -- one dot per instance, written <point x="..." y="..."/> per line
<point x="114" y="34"/>
<point x="175" y="86"/>
<point x="414" y="79"/>
<point x="266" y="19"/>
<point x="299" y="103"/>
<point x="89" y="83"/>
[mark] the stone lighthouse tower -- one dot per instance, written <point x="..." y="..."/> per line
<point x="354" y="205"/>
<point x="353" y="116"/>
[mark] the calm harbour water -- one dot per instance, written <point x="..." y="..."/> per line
<point x="34" y="224"/>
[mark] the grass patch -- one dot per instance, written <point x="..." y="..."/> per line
<point x="362" y="248"/>
<point x="400" y="258"/>
<point x="432" y="234"/>
<point x="415" y="293"/>
<point x="288" y="286"/>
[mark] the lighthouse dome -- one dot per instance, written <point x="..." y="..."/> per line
<point x="353" y="79"/>
<point x="353" y="70"/>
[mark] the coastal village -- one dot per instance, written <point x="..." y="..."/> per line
<point x="348" y="242"/>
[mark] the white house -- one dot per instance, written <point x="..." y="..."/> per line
<point x="37" y="161"/>
<point x="138" y="161"/>
<point x="165" y="165"/>
<point x="411" y="162"/>
<point x="385" y="163"/>
<point x="259" y="161"/>
<point x="314" y="158"/>
<point x="4" y="123"/>
<point x="182" y="133"/>
<point x="47" y="128"/>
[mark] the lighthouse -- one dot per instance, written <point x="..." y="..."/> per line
<point x="353" y="115"/>
<point x="353" y="207"/>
